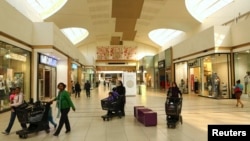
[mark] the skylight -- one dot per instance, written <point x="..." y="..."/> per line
<point x="162" y="36"/>
<point x="75" y="35"/>
<point x="46" y="8"/>
<point x="201" y="9"/>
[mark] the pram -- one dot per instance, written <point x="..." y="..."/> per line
<point x="173" y="108"/>
<point x="112" y="108"/>
<point x="36" y="115"/>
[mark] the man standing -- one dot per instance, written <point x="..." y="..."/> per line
<point x="87" y="87"/>
<point x="121" y="90"/>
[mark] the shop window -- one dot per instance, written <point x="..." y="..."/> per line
<point x="14" y="72"/>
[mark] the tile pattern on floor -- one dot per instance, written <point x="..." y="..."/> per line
<point x="87" y="124"/>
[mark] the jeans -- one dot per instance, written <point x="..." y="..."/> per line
<point x="50" y="119"/>
<point x="11" y="122"/>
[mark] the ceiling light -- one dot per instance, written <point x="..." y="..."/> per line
<point x="201" y="9"/>
<point x="46" y="8"/>
<point x="75" y="35"/>
<point x="162" y="36"/>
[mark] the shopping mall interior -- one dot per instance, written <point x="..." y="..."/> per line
<point x="87" y="125"/>
<point x="202" y="45"/>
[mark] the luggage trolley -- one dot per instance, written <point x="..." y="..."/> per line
<point x="36" y="115"/>
<point x="173" y="108"/>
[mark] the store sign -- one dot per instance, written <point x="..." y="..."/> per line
<point x="161" y="64"/>
<point x="48" y="60"/>
<point x="194" y="63"/>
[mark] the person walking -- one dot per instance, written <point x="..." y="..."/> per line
<point x="16" y="101"/>
<point x="121" y="90"/>
<point x="238" y="92"/>
<point x="87" y="87"/>
<point x="77" y="89"/>
<point x="64" y="103"/>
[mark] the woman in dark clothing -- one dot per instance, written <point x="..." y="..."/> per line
<point x="121" y="90"/>
<point x="174" y="91"/>
<point x="77" y="89"/>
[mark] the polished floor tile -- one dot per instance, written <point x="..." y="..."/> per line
<point x="87" y="124"/>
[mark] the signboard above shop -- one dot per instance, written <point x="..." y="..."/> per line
<point x="161" y="64"/>
<point x="47" y="60"/>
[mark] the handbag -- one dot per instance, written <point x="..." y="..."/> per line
<point x="237" y="89"/>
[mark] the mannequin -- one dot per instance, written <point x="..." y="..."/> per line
<point x="216" y="84"/>
<point x="247" y="82"/>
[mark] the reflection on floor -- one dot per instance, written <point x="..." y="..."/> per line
<point x="87" y="124"/>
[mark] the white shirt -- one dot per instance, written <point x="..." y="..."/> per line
<point x="18" y="100"/>
<point x="247" y="79"/>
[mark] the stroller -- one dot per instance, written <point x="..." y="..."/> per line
<point x="173" y="108"/>
<point x="112" y="108"/>
<point x="36" y="115"/>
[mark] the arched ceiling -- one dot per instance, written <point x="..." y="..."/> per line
<point x="114" y="21"/>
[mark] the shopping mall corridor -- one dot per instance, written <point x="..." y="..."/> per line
<point x="87" y="124"/>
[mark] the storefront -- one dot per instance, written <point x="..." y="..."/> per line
<point x="46" y="76"/>
<point x="215" y="76"/>
<point x="14" y="72"/>
<point x="207" y="76"/>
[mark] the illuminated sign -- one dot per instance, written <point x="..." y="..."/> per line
<point x="48" y="60"/>
<point x="74" y="66"/>
<point x="161" y="64"/>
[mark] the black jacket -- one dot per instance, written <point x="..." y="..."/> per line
<point x="122" y="92"/>
<point x="174" y="92"/>
<point x="77" y="87"/>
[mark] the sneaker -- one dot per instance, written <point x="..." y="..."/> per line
<point x="6" y="133"/>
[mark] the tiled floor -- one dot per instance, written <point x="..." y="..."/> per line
<point x="87" y="124"/>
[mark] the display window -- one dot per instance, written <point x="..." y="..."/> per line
<point x="14" y="72"/>
<point x="215" y="76"/>
<point x="242" y="70"/>
<point x="194" y="76"/>
<point x="181" y="76"/>
<point x="206" y="76"/>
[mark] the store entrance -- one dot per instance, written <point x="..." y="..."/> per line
<point x="47" y="85"/>
<point x="162" y="78"/>
<point x="46" y="82"/>
<point x="194" y="74"/>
